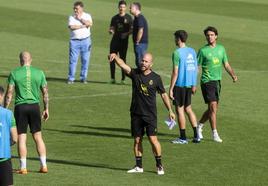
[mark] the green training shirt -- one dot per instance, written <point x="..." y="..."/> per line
<point x="211" y="60"/>
<point x="28" y="82"/>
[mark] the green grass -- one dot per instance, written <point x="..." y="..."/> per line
<point x="87" y="135"/>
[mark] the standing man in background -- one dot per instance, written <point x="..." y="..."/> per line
<point x="120" y="28"/>
<point x="211" y="58"/>
<point x="8" y="137"/>
<point x="27" y="82"/>
<point x="80" y="43"/>
<point x="183" y="85"/>
<point x="140" y="32"/>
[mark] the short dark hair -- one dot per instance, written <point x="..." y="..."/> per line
<point x="79" y="3"/>
<point x="212" y="29"/>
<point x="2" y="90"/>
<point x="137" y="4"/>
<point x="181" y="34"/>
<point x="122" y="2"/>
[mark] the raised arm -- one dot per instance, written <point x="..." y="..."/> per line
<point x="45" y="114"/>
<point x="120" y="63"/>
<point x="8" y="96"/>
<point x="166" y="101"/>
<point x="230" y="71"/>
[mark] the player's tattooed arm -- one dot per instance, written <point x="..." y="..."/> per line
<point x="8" y="96"/>
<point x="45" y="114"/>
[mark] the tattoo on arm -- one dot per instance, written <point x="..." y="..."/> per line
<point x="8" y="96"/>
<point x="45" y="97"/>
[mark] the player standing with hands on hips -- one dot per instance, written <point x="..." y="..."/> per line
<point x="27" y="82"/>
<point x="145" y="84"/>
<point x="211" y="58"/>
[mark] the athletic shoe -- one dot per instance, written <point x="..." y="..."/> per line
<point x="199" y="131"/>
<point x="160" y="170"/>
<point x="112" y="81"/>
<point x="196" y="140"/>
<point x="216" y="138"/>
<point x="179" y="141"/>
<point x="84" y="81"/>
<point x="22" y="171"/>
<point x="43" y="170"/>
<point x="136" y="169"/>
<point x="70" y="82"/>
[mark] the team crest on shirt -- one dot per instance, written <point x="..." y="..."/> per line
<point x="151" y="82"/>
<point x="125" y="20"/>
<point x="144" y="90"/>
<point x="215" y="60"/>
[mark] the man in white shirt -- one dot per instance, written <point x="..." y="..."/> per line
<point x="80" y="42"/>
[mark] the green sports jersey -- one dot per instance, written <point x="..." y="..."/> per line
<point x="176" y="58"/>
<point x="211" y="61"/>
<point x="28" y="82"/>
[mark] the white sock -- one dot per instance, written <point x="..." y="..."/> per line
<point x="22" y="163"/>
<point x="200" y="125"/>
<point x="43" y="161"/>
<point x="214" y="131"/>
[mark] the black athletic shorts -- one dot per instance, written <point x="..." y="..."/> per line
<point x="28" y="114"/>
<point x="182" y="96"/>
<point x="140" y="123"/>
<point x="211" y="91"/>
<point x="118" y="45"/>
<point x="6" y="175"/>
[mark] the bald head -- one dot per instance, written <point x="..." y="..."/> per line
<point x="148" y="57"/>
<point x="25" y="58"/>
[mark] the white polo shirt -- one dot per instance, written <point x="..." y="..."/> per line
<point x="82" y="32"/>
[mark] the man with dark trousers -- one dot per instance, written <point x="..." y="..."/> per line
<point x="120" y="28"/>
<point x="140" y="32"/>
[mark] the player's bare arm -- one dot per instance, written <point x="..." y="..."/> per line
<point x="230" y="71"/>
<point x="8" y="96"/>
<point x="139" y="35"/>
<point x="166" y="101"/>
<point x="14" y="135"/>
<point x="120" y="63"/>
<point x="45" y="114"/>
<point x="174" y="77"/>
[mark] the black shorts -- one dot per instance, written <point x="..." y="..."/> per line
<point x="28" y="114"/>
<point x="118" y="45"/>
<point x="211" y="91"/>
<point x="182" y="96"/>
<point x="140" y="123"/>
<point x="6" y="175"/>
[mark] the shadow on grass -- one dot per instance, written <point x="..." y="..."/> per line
<point x="80" y="164"/>
<point x="90" y="133"/>
<point x="113" y="129"/>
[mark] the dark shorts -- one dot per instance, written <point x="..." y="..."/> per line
<point x="118" y="45"/>
<point x="140" y="124"/>
<point x="28" y="114"/>
<point x="182" y="96"/>
<point x="211" y="91"/>
<point x="6" y="175"/>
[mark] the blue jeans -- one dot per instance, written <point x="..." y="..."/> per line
<point x="83" y="48"/>
<point x="139" y="51"/>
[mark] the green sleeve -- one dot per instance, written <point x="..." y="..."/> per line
<point x="225" y="58"/>
<point x="175" y="59"/>
<point x="11" y="79"/>
<point x="13" y="121"/>
<point x="199" y="57"/>
<point x="43" y="80"/>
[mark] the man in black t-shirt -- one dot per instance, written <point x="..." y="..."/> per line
<point x="120" y="28"/>
<point x="140" y="32"/>
<point x="145" y="84"/>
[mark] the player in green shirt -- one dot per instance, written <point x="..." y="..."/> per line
<point x="211" y="58"/>
<point x="28" y="82"/>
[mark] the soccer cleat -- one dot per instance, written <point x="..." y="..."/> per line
<point x="160" y="170"/>
<point x="136" y="169"/>
<point x="196" y="140"/>
<point x="216" y="138"/>
<point x="179" y="141"/>
<point x="199" y="131"/>
<point x="43" y="170"/>
<point x="22" y="171"/>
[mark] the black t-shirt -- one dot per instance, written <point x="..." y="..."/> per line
<point x="144" y="88"/>
<point x="121" y="24"/>
<point x="140" y="22"/>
